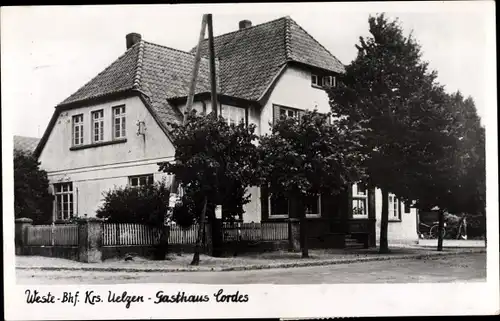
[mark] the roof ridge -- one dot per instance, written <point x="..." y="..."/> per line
<point x="287" y="39"/>
<point x="138" y="68"/>
<point x="328" y="51"/>
<point x="248" y="28"/>
<point x="170" y="48"/>
<point x="102" y="72"/>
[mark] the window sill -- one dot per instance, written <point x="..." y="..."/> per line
<point x="360" y="217"/>
<point x="110" y="142"/>
<point x="277" y="216"/>
<point x="316" y="86"/>
<point x="313" y="215"/>
<point x="394" y="220"/>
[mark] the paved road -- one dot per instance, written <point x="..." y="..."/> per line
<point x="467" y="267"/>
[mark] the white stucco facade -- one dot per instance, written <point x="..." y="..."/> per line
<point x="94" y="169"/>
<point x="399" y="231"/>
<point x="293" y="89"/>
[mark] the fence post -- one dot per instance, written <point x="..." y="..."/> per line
<point x="293" y="235"/>
<point x="21" y="228"/>
<point x="90" y="239"/>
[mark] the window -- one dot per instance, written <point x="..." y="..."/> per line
<point x="97" y="126"/>
<point x="288" y="112"/>
<point x="233" y="115"/>
<point x="359" y="201"/>
<point x="78" y="130"/>
<point x="141" y="180"/>
<point x="393" y="208"/>
<point x="329" y="81"/>
<point x="279" y="206"/>
<point x="119" y="122"/>
<point x="323" y="81"/>
<point x="315" y="80"/>
<point x="64" y="200"/>
<point x="312" y="206"/>
<point x="407" y="208"/>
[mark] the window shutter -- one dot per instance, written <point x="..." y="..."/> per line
<point x="301" y="113"/>
<point x="264" y="202"/>
<point x="399" y="210"/>
<point x="276" y="113"/>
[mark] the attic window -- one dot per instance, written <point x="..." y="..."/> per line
<point x="314" y="80"/>
<point x="319" y="81"/>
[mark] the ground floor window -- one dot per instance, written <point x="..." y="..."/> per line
<point x="313" y="206"/>
<point x="64" y="201"/>
<point x="394" y="208"/>
<point x="280" y="206"/>
<point x="141" y="180"/>
<point x="359" y="201"/>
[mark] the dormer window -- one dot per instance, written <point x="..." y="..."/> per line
<point x="320" y="81"/>
<point x="329" y="81"/>
<point x="315" y="81"/>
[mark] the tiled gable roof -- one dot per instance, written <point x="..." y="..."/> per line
<point x="158" y="72"/>
<point x="248" y="62"/>
<point x="251" y="58"/>
<point x="25" y="144"/>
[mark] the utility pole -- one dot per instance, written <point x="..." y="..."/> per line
<point x="192" y="86"/>
<point x="213" y="84"/>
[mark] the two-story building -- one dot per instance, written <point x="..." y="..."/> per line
<point x="114" y="130"/>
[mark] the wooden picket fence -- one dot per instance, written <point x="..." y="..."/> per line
<point x="255" y="231"/>
<point x="139" y="234"/>
<point x="52" y="235"/>
<point x="115" y="234"/>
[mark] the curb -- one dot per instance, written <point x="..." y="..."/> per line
<point x="254" y="267"/>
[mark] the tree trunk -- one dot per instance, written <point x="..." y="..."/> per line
<point x="440" y="230"/>
<point x="384" y="223"/>
<point x="201" y="228"/>
<point x="303" y="228"/>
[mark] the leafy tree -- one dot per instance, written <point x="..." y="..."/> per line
<point x="214" y="162"/>
<point x="450" y="161"/>
<point x="305" y="157"/>
<point x="420" y="139"/>
<point x="384" y="89"/>
<point x="31" y="189"/>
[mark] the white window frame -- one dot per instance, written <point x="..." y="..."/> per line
<point x="394" y="214"/>
<point x="63" y="207"/>
<point x="329" y="81"/>
<point x="359" y="197"/>
<point x="149" y="180"/>
<point x="287" y="110"/>
<point x="97" y="126"/>
<point x="77" y="138"/>
<point x="233" y="114"/>
<point x="280" y="215"/>
<point x="119" y="129"/>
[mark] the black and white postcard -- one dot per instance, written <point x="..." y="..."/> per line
<point x="300" y="160"/>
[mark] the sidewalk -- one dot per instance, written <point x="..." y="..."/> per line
<point x="180" y="263"/>
<point x="453" y="243"/>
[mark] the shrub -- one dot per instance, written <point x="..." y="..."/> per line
<point x="143" y="205"/>
<point x="31" y="189"/>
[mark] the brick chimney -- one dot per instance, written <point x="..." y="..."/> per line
<point x="245" y="24"/>
<point x="132" y="39"/>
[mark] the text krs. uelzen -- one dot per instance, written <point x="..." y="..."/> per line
<point x="127" y="299"/>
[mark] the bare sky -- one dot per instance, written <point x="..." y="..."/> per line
<point x="49" y="52"/>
